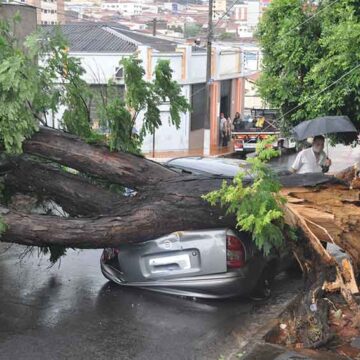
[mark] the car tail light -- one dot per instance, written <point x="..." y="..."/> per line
<point x="238" y="144"/>
<point x="235" y="252"/>
<point x="109" y="254"/>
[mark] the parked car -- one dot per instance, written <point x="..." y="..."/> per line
<point x="205" y="263"/>
<point x="208" y="165"/>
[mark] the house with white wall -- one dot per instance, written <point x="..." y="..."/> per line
<point x="247" y="16"/>
<point x="100" y="48"/>
<point x="128" y="8"/>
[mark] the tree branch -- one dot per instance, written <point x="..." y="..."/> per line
<point x="117" y="167"/>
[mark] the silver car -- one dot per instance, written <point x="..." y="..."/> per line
<point x="205" y="263"/>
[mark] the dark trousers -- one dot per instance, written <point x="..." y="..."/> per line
<point x="224" y="139"/>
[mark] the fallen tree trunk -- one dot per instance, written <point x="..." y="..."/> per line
<point x="169" y="202"/>
<point x="166" y="201"/>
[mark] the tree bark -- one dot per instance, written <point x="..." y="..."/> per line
<point x="77" y="195"/>
<point x="148" y="221"/>
<point x="116" y="167"/>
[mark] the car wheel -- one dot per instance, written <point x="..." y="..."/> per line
<point x="262" y="290"/>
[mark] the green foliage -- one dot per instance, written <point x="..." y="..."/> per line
<point x="141" y="96"/>
<point x="77" y="97"/>
<point x="176" y="28"/>
<point x="36" y="78"/>
<point x="305" y="50"/>
<point x="55" y="252"/>
<point x="3" y="226"/>
<point x="170" y="91"/>
<point x="191" y="30"/>
<point x="69" y="89"/>
<point x="227" y="36"/>
<point x="120" y="125"/>
<point x="17" y="92"/>
<point x="39" y="78"/>
<point x="137" y="89"/>
<point x="257" y="207"/>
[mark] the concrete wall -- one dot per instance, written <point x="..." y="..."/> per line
<point x="28" y="15"/>
<point x="167" y="137"/>
<point x="252" y="98"/>
<point x="253" y="13"/>
<point x="197" y="69"/>
<point x="196" y="139"/>
<point x="228" y="63"/>
<point x="175" y="64"/>
<point x="100" y="68"/>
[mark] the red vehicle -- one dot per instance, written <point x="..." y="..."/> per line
<point x="261" y="126"/>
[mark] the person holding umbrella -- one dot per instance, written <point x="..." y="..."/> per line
<point x="315" y="159"/>
<point x="312" y="160"/>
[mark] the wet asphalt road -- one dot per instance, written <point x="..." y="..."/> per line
<point x="72" y="312"/>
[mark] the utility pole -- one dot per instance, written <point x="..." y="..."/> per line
<point x="154" y="26"/>
<point x="153" y="139"/>
<point x="208" y="63"/>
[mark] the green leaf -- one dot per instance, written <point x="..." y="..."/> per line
<point x="257" y="207"/>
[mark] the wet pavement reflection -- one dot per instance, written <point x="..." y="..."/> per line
<point x="72" y="312"/>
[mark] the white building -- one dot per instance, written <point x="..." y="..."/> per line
<point x="247" y="16"/>
<point x="125" y="8"/>
<point x="101" y="47"/>
<point x="173" y="7"/>
<point x="251" y="58"/>
<point x="243" y="30"/>
<point x="253" y="13"/>
<point x="219" y="8"/>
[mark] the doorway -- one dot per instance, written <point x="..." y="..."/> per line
<point x="225" y="98"/>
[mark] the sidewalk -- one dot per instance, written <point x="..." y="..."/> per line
<point x="163" y="156"/>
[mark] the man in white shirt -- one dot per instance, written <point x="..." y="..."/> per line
<point x="312" y="160"/>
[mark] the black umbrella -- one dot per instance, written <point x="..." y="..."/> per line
<point x="322" y="126"/>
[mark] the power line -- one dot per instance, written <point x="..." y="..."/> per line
<point x="310" y="98"/>
<point x="311" y="17"/>
<point x="321" y="91"/>
<point x="227" y="12"/>
<point x="259" y="12"/>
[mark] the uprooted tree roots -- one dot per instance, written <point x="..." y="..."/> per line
<point x="325" y="215"/>
<point x="164" y="201"/>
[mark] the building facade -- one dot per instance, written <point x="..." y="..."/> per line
<point x="219" y="8"/>
<point x="48" y="12"/>
<point x="28" y="19"/>
<point x="101" y="47"/>
<point x="124" y="8"/>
